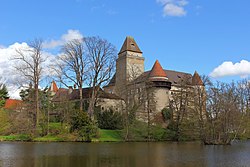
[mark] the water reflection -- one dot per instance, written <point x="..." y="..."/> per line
<point x="123" y="154"/>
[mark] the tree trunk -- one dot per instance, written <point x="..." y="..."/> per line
<point x="92" y="103"/>
<point x="37" y="105"/>
<point x="81" y="102"/>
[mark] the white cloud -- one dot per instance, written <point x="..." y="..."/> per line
<point x="6" y="67"/>
<point x="7" y="53"/>
<point x="174" y="7"/>
<point x="7" y="71"/>
<point x="71" y="35"/>
<point x="227" y="68"/>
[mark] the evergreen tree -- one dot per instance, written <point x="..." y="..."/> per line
<point x="3" y="94"/>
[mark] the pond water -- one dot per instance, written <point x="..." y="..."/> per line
<point x="140" y="154"/>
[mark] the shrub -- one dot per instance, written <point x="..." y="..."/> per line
<point x="167" y="113"/>
<point x="140" y="131"/>
<point x="83" y="125"/>
<point x="109" y="119"/>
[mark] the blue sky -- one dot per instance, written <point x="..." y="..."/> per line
<point x="184" y="35"/>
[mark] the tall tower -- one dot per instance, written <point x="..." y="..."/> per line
<point x="130" y="63"/>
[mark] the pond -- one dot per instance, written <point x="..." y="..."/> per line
<point x="142" y="154"/>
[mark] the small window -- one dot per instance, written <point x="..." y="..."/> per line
<point x="102" y="108"/>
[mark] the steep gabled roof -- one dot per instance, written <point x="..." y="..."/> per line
<point x="61" y="95"/>
<point x="130" y="45"/>
<point x="157" y="71"/>
<point x="64" y="94"/>
<point x="86" y="93"/>
<point x="196" y="79"/>
<point x="112" y="81"/>
<point x="177" y="77"/>
<point x="174" y="77"/>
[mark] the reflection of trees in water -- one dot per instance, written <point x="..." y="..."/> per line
<point x="134" y="154"/>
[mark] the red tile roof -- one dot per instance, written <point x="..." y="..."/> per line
<point x="12" y="104"/>
<point x="64" y="95"/>
<point x="157" y="70"/>
<point x="196" y="79"/>
<point x="54" y="87"/>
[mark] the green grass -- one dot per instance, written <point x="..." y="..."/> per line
<point x="55" y="125"/>
<point x="49" y="138"/>
<point x="109" y="135"/>
<point x="21" y="137"/>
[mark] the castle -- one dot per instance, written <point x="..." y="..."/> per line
<point x="133" y="88"/>
<point x="151" y="90"/>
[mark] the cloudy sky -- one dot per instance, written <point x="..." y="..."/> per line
<point x="211" y="37"/>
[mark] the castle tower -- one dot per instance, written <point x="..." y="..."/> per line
<point x="130" y="63"/>
<point x="161" y="85"/>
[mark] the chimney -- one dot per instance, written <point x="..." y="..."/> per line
<point x="70" y="90"/>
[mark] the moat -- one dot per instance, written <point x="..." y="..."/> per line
<point x="141" y="154"/>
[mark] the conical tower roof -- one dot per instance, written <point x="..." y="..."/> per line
<point x="196" y="79"/>
<point x="53" y="87"/>
<point x="157" y="71"/>
<point x="130" y="45"/>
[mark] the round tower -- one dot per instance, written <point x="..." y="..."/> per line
<point x="159" y="85"/>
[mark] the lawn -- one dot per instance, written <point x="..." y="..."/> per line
<point x="21" y="137"/>
<point x="110" y="135"/>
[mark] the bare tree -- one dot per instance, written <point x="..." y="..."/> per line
<point x="71" y="66"/>
<point x="226" y="109"/>
<point x="180" y="105"/>
<point x="198" y="105"/>
<point x="133" y="94"/>
<point x="101" y="57"/>
<point x="29" y="67"/>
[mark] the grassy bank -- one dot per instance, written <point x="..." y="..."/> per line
<point x="109" y="136"/>
<point x="104" y="136"/>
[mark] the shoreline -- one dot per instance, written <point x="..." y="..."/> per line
<point x="11" y="138"/>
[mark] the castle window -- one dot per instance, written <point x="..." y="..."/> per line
<point x="102" y="108"/>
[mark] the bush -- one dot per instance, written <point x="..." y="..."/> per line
<point x="20" y="123"/>
<point x="139" y="131"/>
<point x="158" y="133"/>
<point x="4" y="122"/>
<point x="109" y="119"/>
<point x="167" y="113"/>
<point x="83" y="125"/>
